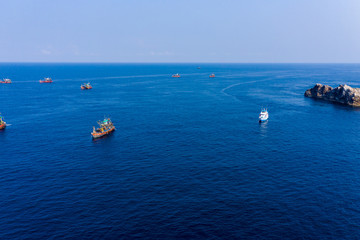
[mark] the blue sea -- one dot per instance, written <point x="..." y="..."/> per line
<point x="188" y="159"/>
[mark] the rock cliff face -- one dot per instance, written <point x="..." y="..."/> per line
<point x="342" y="94"/>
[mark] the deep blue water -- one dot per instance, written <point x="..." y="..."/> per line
<point x="188" y="159"/>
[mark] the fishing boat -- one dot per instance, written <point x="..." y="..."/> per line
<point x="46" y="80"/>
<point x="105" y="127"/>
<point x="86" y="86"/>
<point x="176" y="75"/>
<point x="264" y="115"/>
<point x="212" y="76"/>
<point x="6" y="80"/>
<point x="2" y="123"/>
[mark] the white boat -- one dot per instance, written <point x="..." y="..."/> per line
<point x="6" y="80"/>
<point x="264" y="115"/>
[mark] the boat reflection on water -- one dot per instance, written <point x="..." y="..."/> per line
<point x="263" y="128"/>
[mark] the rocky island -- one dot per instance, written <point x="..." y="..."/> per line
<point x="343" y="94"/>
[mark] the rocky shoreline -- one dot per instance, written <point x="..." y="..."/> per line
<point x="343" y="94"/>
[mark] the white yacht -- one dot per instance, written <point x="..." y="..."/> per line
<point x="264" y="115"/>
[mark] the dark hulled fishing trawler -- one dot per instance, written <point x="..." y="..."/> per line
<point x="105" y="127"/>
<point x="6" y="80"/>
<point x="2" y="123"/>
<point x="86" y="86"/>
<point x="46" y="80"/>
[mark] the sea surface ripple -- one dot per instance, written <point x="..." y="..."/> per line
<point x="188" y="159"/>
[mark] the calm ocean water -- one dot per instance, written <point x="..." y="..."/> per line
<point x="189" y="158"/>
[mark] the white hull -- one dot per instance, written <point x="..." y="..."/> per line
<point x="264" y="115"/>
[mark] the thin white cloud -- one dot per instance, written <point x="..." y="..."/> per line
<point x="165" y="53"/>
<point x="75" y="50"/>
<point x="45" y="52"/>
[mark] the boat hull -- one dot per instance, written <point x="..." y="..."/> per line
<point x="2" y="126"/>
<point x="263" y="118"/>
<point x="6" y="81"/>
<point x="99" y="135"/>
<point x="45" y="81"/>
<point x="86" y="88"/>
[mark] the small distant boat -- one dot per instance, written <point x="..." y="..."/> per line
<point x="198" y="67"/>
<point x="86" y="86"/>
<point x="264" y="115"/>
<point x="46" y="80"/>
<point x="176" y="75"/>
<point x="212" y="76"/>
<point x="105" y="127"/>
<point x="6" y="80"/>
<point x="2" y="123"/>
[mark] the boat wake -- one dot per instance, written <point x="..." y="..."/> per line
<point x="241" y="83"/>
<point x="125" y="77"/>
<point x="100" y="78"/>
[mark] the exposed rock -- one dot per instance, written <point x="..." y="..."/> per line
<point x="342" y="94"/>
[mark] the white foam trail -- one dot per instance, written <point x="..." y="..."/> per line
<point x="241" y="83"/>
<point x="97" y="78"/>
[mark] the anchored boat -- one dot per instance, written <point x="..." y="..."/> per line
<point x="105" y="127"/>
<point x="176" y="75"/>
<point x="2" y="123"/>
<point x="6" y="80"/>
<point x="86" y="86"/>
<point x="46" y="80"/>
<point x="264" y="115"/>
<point x="212" y="76"/>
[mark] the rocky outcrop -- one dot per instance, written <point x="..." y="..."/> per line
<point x="342" y="94"/>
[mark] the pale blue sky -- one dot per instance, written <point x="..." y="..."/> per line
<point x="180" y="31"/>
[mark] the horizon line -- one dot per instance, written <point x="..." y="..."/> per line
<point x="40" y="62"/>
